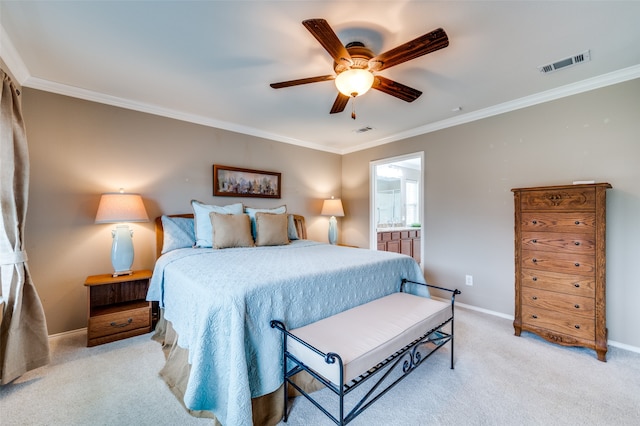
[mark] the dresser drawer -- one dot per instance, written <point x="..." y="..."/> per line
<point x="567" y="303"/>
<point x="559" y="322"/>
<point x="119" y="322"/>
<point x="580" y="285"/>
<point x="578" y="223"/>
<point x="556" y="241"/>
<point x="570" y="263"/>
<point x="559" y="199"/>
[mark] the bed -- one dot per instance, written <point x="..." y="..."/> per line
<point x="217" y="305"/>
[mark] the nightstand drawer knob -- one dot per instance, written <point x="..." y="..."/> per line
<point x="124" y="324"/>
<point x="577" y="326"/>
<point x="534" y="260"/>
<point x="577" y="243"/>
<point x="534" y="316"/>
<point x="534" y="222"/>
<point x="535" y="278"/>
<point x="576" y="306"/>
<point x="577" y="285"/>
<point x="535" y="297"/>
<point x="577" y="222"/>
<point x="576" y="264"/>
<point x="534" y="241"/>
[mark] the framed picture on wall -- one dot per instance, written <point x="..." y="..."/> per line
<point x="237" y="182"/>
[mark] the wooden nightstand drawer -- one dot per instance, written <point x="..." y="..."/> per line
<point x="116" y="307"/>
<point x="120" y="322"/>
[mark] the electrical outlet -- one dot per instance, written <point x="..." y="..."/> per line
<point x="469" y="280"/>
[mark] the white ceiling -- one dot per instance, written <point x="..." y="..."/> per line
<point x="211" y="62"/>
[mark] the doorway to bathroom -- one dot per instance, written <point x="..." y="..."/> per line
<point x="397" y="205"/>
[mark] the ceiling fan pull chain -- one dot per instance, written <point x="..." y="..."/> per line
<point x="353" y="107"/>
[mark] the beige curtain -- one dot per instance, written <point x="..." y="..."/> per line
<point x="23" y="331"/>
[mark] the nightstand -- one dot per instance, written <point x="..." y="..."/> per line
<point x="116" y="307"/>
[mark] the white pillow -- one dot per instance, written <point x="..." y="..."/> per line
<point x="291" y="228"/>
<point x="252" y="214"/>
<point x="204" y="230"/>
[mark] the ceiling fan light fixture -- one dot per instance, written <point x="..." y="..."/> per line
<point x="354" y="82"/>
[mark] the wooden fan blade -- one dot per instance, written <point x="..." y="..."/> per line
<point x="325" y="35"/>
<point x="396" y="89"/>
<point x="302" y="81"/>
<point x="430" y="42"/>
<point x="340" y="103"/>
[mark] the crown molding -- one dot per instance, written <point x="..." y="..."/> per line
<point x="593" y="83"/>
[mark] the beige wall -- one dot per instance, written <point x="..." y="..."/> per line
<point x="79" y="149"/>
<point x="470" y="170"/>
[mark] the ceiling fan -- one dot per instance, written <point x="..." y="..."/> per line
<point x="355" y="64"/>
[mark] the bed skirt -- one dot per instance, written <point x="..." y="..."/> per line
<point x="267" y="410"/>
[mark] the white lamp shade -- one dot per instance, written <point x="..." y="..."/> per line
<point x="332" y="207"/>
<point x="121" y="207"/>
<point x="354" y="82"/>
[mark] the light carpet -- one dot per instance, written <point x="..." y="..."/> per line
<point x="499" y="379"/>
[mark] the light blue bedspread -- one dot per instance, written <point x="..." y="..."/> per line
<point x="220" y="302"/>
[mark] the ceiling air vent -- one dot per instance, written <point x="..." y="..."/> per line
<point x="566" y="62"/>
<point x="363" y="129"/>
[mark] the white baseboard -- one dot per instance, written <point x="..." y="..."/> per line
<point x="68" y="333"/>
<point x="510" y="317"/>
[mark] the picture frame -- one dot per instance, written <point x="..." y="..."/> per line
<point x="238" y="182"/>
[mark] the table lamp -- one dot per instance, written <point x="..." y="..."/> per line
<point x="118" y="207"/>
<point x="332" y="208"/>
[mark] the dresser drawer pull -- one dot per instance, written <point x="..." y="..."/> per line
<point x="534" y="297"/>
<point x="577" y="222"/>
<point x="576" y="264"/>
<point x="577" y="243"/>
<point x="534" y="222"/>
<point x="576" y="306"/>
<point x="534" y="260"/>
<point x="534" y="241"/>
<point x="576" y="285"/>
<point x="124" y="324"/>
<point x="534" y="316"/>
<point x="577" y="326"/>
<point x="535" y="278"/>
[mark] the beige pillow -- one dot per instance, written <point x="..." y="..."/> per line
<point x="231" y="230"/>
<point x="271" y="229"/>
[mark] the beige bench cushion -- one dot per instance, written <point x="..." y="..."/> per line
<point x="367" y="334"/>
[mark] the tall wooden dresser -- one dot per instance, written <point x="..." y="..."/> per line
<point x="560" y="264"/>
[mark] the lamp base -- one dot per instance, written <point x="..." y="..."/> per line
<point x="333" y="230"/>
<point x="122" y="250"/>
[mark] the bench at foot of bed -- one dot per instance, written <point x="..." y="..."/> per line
<point x="391" y="335"/>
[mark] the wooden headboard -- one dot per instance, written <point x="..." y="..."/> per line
<point x="298" y="220"/>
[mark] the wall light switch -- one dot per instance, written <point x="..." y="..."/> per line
<point x="469" y="280"/>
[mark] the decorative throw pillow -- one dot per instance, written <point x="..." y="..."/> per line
<point x="203" y="222"/>
<point x="252" y="214"/>
<point x="291" y="228"/>
<point x="271" y="229"/>
<point x="230" y="230"/>
<point x="178" y="233"/>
